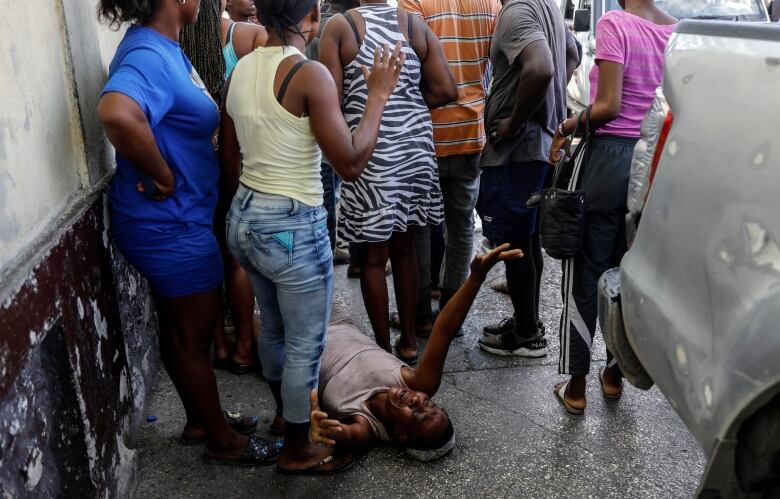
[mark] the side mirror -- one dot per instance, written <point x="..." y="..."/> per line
<point x="582" y="20"/>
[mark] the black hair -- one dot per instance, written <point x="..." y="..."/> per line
<point x="118" y="12"/>
<point x="279" y="16"/>
<point x="436" y="443"/>
<point x="201" y="44"/>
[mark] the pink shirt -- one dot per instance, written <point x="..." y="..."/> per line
<point x="639" y="46"/>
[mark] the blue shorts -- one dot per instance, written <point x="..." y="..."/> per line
<point x="177" y="259"/>
<point x="503" y="192"/>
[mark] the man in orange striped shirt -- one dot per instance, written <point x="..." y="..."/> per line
<point x="465" y="28"/>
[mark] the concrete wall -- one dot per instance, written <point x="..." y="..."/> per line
<point x="77" y="331"/>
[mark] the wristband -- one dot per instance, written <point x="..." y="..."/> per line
<point x="562" y="129"/>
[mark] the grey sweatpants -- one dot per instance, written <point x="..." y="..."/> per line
<point x="604" y="177"/>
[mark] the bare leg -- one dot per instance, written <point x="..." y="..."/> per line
<point x="242" y="306"/>
<point x="373" y="285"/>
<point x="190" y="322"/>
<point x="403" y="258"/>
<point x="221" y="341"/>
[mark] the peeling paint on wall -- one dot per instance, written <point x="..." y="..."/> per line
<point x="58" y="392"/>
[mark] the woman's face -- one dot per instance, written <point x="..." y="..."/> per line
<point x="190" y="10"/>
<point x="242" y="7"/>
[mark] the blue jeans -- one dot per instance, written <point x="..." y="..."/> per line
<point x="284" y="246"/>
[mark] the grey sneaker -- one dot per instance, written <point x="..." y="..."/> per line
<point x="507" y="326"/>
<point x="504" y="345"/>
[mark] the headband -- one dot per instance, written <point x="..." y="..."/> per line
<point x="430" y="455"/>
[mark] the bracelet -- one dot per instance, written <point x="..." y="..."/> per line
<point x="562" y="129"/>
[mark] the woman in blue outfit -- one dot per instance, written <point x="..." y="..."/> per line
<point x="161" y="120"/>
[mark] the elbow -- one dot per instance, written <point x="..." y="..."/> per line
<point x="348" y="171"/>
<point x="609" y="112"/>
<point x="450" y="94"/>
<point x="543" y="77"/>
<point x="612" y="114"/>
<point x="350" y="177"/>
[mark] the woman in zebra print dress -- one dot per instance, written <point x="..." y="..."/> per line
<point x="399" y="189"/>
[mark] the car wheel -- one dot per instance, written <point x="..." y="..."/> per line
<point x="613" y="330"/>
<point x="758" y="451"/>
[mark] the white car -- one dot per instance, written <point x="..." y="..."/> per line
<point x="582" y="15"/>
<point x="695" y="305"/>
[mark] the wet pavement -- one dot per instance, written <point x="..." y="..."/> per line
<point x="514" y="438"/>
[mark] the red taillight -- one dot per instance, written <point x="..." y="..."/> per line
<point x="659" y="148"/>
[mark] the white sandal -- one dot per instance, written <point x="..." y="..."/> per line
<point x="561" y="394"/>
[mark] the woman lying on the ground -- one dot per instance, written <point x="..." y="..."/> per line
<point x="368" y="395"/>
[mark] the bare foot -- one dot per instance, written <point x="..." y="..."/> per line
<point x="611" y="383"/>
<point x="232" y="450"/>
<point x="574" y="397"/>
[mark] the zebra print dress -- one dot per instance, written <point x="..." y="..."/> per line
<point x="400" y="185"/>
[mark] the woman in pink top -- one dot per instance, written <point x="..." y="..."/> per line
<point x="629" y="67"/>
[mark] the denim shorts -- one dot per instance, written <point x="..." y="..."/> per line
<point x="284" y="246"/>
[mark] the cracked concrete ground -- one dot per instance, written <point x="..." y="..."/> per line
<point x="514" y="438"/>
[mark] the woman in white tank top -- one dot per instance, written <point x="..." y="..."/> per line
<point x="281" y="113"/>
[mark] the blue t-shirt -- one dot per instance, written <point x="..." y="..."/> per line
<point x="153" y="71"/>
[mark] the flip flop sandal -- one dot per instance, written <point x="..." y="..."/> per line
<point x="317" y="470"/>
<point x="560" y="392"/>
<point x="395" y="323"/>
<point x="241" y="369"/>
<point x="409" y="360"/>
<point x="221" y="364"/>
<point x="258" y="452"/>
<point x="235" y="420"/>
<point x="611" y="396"/>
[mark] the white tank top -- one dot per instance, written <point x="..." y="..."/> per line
<point x="279" y="153"/>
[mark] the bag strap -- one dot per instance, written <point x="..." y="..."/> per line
<point x="581" y="147"/>
<point x="288" y="79"/>
<point x="354" y="28"/>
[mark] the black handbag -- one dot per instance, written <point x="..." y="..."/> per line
<point x="562" y="211"/>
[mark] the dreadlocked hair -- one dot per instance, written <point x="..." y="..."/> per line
<point x="276" y="15"/>
<point x="201" y="43"/>
<point x="118" y="12"/>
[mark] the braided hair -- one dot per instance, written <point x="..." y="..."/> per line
<point x="118" y="12"/>
<point x="281" y="16"/>
<point x="201" y="43"/>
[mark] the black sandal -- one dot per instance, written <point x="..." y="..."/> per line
<point x="409" y="360"/>
<point x="241" y="369"/>
<point x="245" y="425"/>
<point x="258" y="452"/>
<point x="317" y="470"/>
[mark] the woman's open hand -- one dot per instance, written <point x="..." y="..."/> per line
<point x="482" y="264"/>
<point x="383" y="76"/>
<point x="321" y="429"/>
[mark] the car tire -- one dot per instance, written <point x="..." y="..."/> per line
<point x="614" y="332"/>
<point x="757" y="458"/>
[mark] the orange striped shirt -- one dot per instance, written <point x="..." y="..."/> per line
<point x="464" y="28"/>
